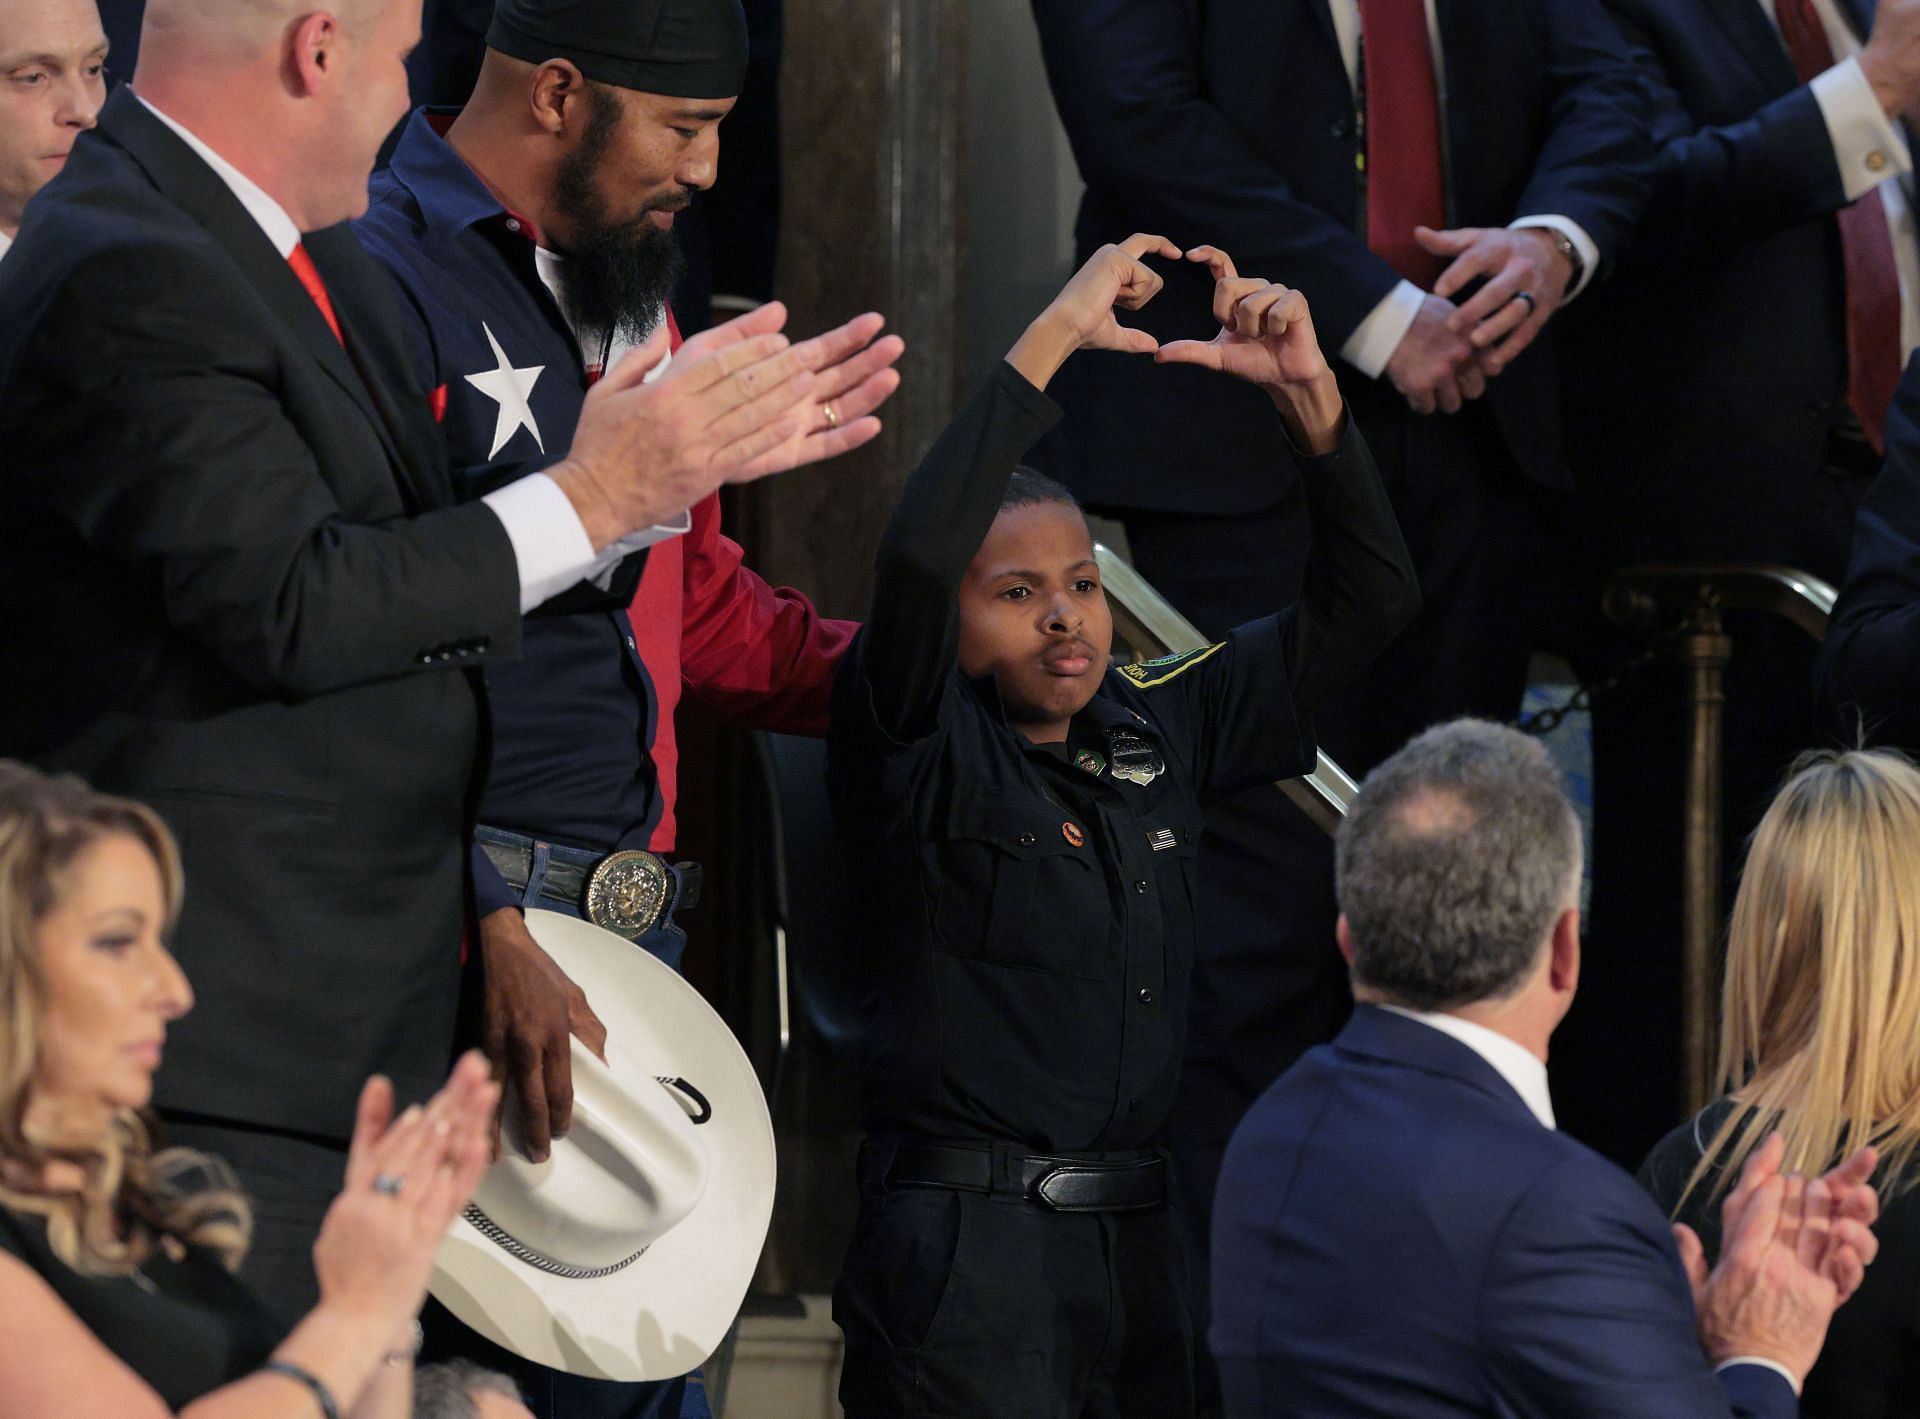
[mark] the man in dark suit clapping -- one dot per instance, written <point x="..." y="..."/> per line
<point x="235" y="580"/>
<point x="1399" y="1229"/>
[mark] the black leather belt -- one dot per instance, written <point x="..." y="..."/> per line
<point x="629" y="892"/>
<point x="1060" y="1182"/>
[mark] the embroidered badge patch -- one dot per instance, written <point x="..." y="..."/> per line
<point x="1149" y="673"/>
<point x="1161" y="839"/>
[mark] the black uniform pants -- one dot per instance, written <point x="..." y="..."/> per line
<point x="965" y="1306"/>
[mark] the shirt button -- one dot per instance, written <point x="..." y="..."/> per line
<point x="1141" y="886"/>
<point x="1876" y="161"/>
<point x="1146" y="995"/>
<point x="1026" y="840"/>
<point x="512" y="225"/>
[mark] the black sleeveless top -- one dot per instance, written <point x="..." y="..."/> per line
<point x="185" y="1327"/>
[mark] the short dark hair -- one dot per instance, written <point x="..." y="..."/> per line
<point x="1028" y="487"/>
<point x="1454" y="861"/>
<point x="446" y="1390"/>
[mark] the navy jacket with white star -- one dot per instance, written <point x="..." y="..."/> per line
<point x="574" y="717"/>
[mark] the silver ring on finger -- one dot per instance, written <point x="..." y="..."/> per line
<point x="390" y="1184"/>
<point x="833" y="417"/>
<point x="1527" y="296"/>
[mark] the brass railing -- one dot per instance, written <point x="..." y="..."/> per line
<point x="1147" y="622"/>
<point x="1685" y="602"/>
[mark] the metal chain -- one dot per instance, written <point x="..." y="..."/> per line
<point x="1545" y="721"/>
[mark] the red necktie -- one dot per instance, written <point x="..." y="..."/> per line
<point x="309" y="275"/>
<point x="1404" y="184"/>
<point x="1866" y="246"/>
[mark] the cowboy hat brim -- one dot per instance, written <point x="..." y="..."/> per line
<point x="667" y="1311"/>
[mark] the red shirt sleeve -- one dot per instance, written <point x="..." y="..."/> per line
<point x="759" y="655"/>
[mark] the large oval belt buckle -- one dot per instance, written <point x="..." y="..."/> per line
<point x="627" y="893"/>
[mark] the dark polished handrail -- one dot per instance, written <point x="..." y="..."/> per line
<point x="1149" y="624"/>
<point x="1686" y="602"/>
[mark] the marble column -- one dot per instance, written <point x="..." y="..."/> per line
<point x="873" y="217"/>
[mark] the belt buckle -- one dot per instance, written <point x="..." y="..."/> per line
<point x="627" y="893"/>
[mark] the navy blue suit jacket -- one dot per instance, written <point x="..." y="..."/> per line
<point x="1395" y="1234"/>
<point x="1869" y="670"/>
<point x="1233" y="122"/>
<point x="1701" y="425"/>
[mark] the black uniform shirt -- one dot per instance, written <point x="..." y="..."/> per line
<point x="1029" y="921"/>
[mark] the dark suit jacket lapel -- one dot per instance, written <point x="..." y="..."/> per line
<point x="1322" y="11"/>
<point x="361" y="292"/>
<point x="1758" y="41"/>
<point x="1860" y="12"/>
<point x="179" y="172"/>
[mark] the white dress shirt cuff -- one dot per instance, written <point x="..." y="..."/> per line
<point x="1376" y="338"/>
<point x="1867" y="146"/>
<point x="1582" y="243"/>
<point x="1774" y="1365"/>
<point x="551" y="546"/>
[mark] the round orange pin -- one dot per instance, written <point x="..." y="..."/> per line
<point x="1071" y="832"/>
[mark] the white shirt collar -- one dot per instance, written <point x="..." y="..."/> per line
<point x="1514" y="1062"/>
<point x="271" y="216"/>
<point x="6" y="245"/>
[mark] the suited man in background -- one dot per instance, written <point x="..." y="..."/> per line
<point x="1725" y="403"/>
<point x="236" y="582"/>
<point x="1401" y="1231"/>
<point x="1244" y="123"/>
<point x="52" y="83"/>
<point x="1868" y="672"/>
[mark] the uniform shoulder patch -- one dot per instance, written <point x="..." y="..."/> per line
<point x="1158" y="671"/>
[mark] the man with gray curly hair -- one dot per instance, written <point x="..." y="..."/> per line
<point x="1399" y="1229"/>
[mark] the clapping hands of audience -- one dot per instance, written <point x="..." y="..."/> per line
<point x="407" y="1178"/>
<point x="1794" y="1249"/>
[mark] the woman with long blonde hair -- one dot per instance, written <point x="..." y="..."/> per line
<point x="116" y="1288"/>
<point x="1820" y="1043"/>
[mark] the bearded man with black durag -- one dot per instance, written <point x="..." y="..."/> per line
<point x="530" y="234"/>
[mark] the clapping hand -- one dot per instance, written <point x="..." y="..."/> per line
<point x="407" y="1178"/>
<point x="1793" y="1250"/>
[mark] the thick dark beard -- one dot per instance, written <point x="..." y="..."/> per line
<point x="618" y="274"/>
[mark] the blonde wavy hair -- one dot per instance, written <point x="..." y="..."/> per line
<point x="1820" y="1014"/>
<point x="129" y="1198"/>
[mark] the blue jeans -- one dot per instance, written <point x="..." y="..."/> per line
<point x="553" y="1394"/>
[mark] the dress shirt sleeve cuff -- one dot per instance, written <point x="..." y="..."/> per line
<point x="1376" y="338"/>
<point x="1575" y="233"/>
<point x="1774" y="1365"/>
<point x="609" y="560"/>
<point x="550" y="545"/>
<point x="1866" y="144"/>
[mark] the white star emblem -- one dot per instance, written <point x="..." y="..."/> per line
<point x="509" y="388"/>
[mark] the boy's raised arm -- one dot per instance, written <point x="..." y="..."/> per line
<point x="908" y="648"/>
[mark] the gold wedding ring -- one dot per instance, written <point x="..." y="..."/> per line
<point x="833" y="419"/>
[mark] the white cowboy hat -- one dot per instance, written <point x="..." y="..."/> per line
<point x="625" y="1255"/>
